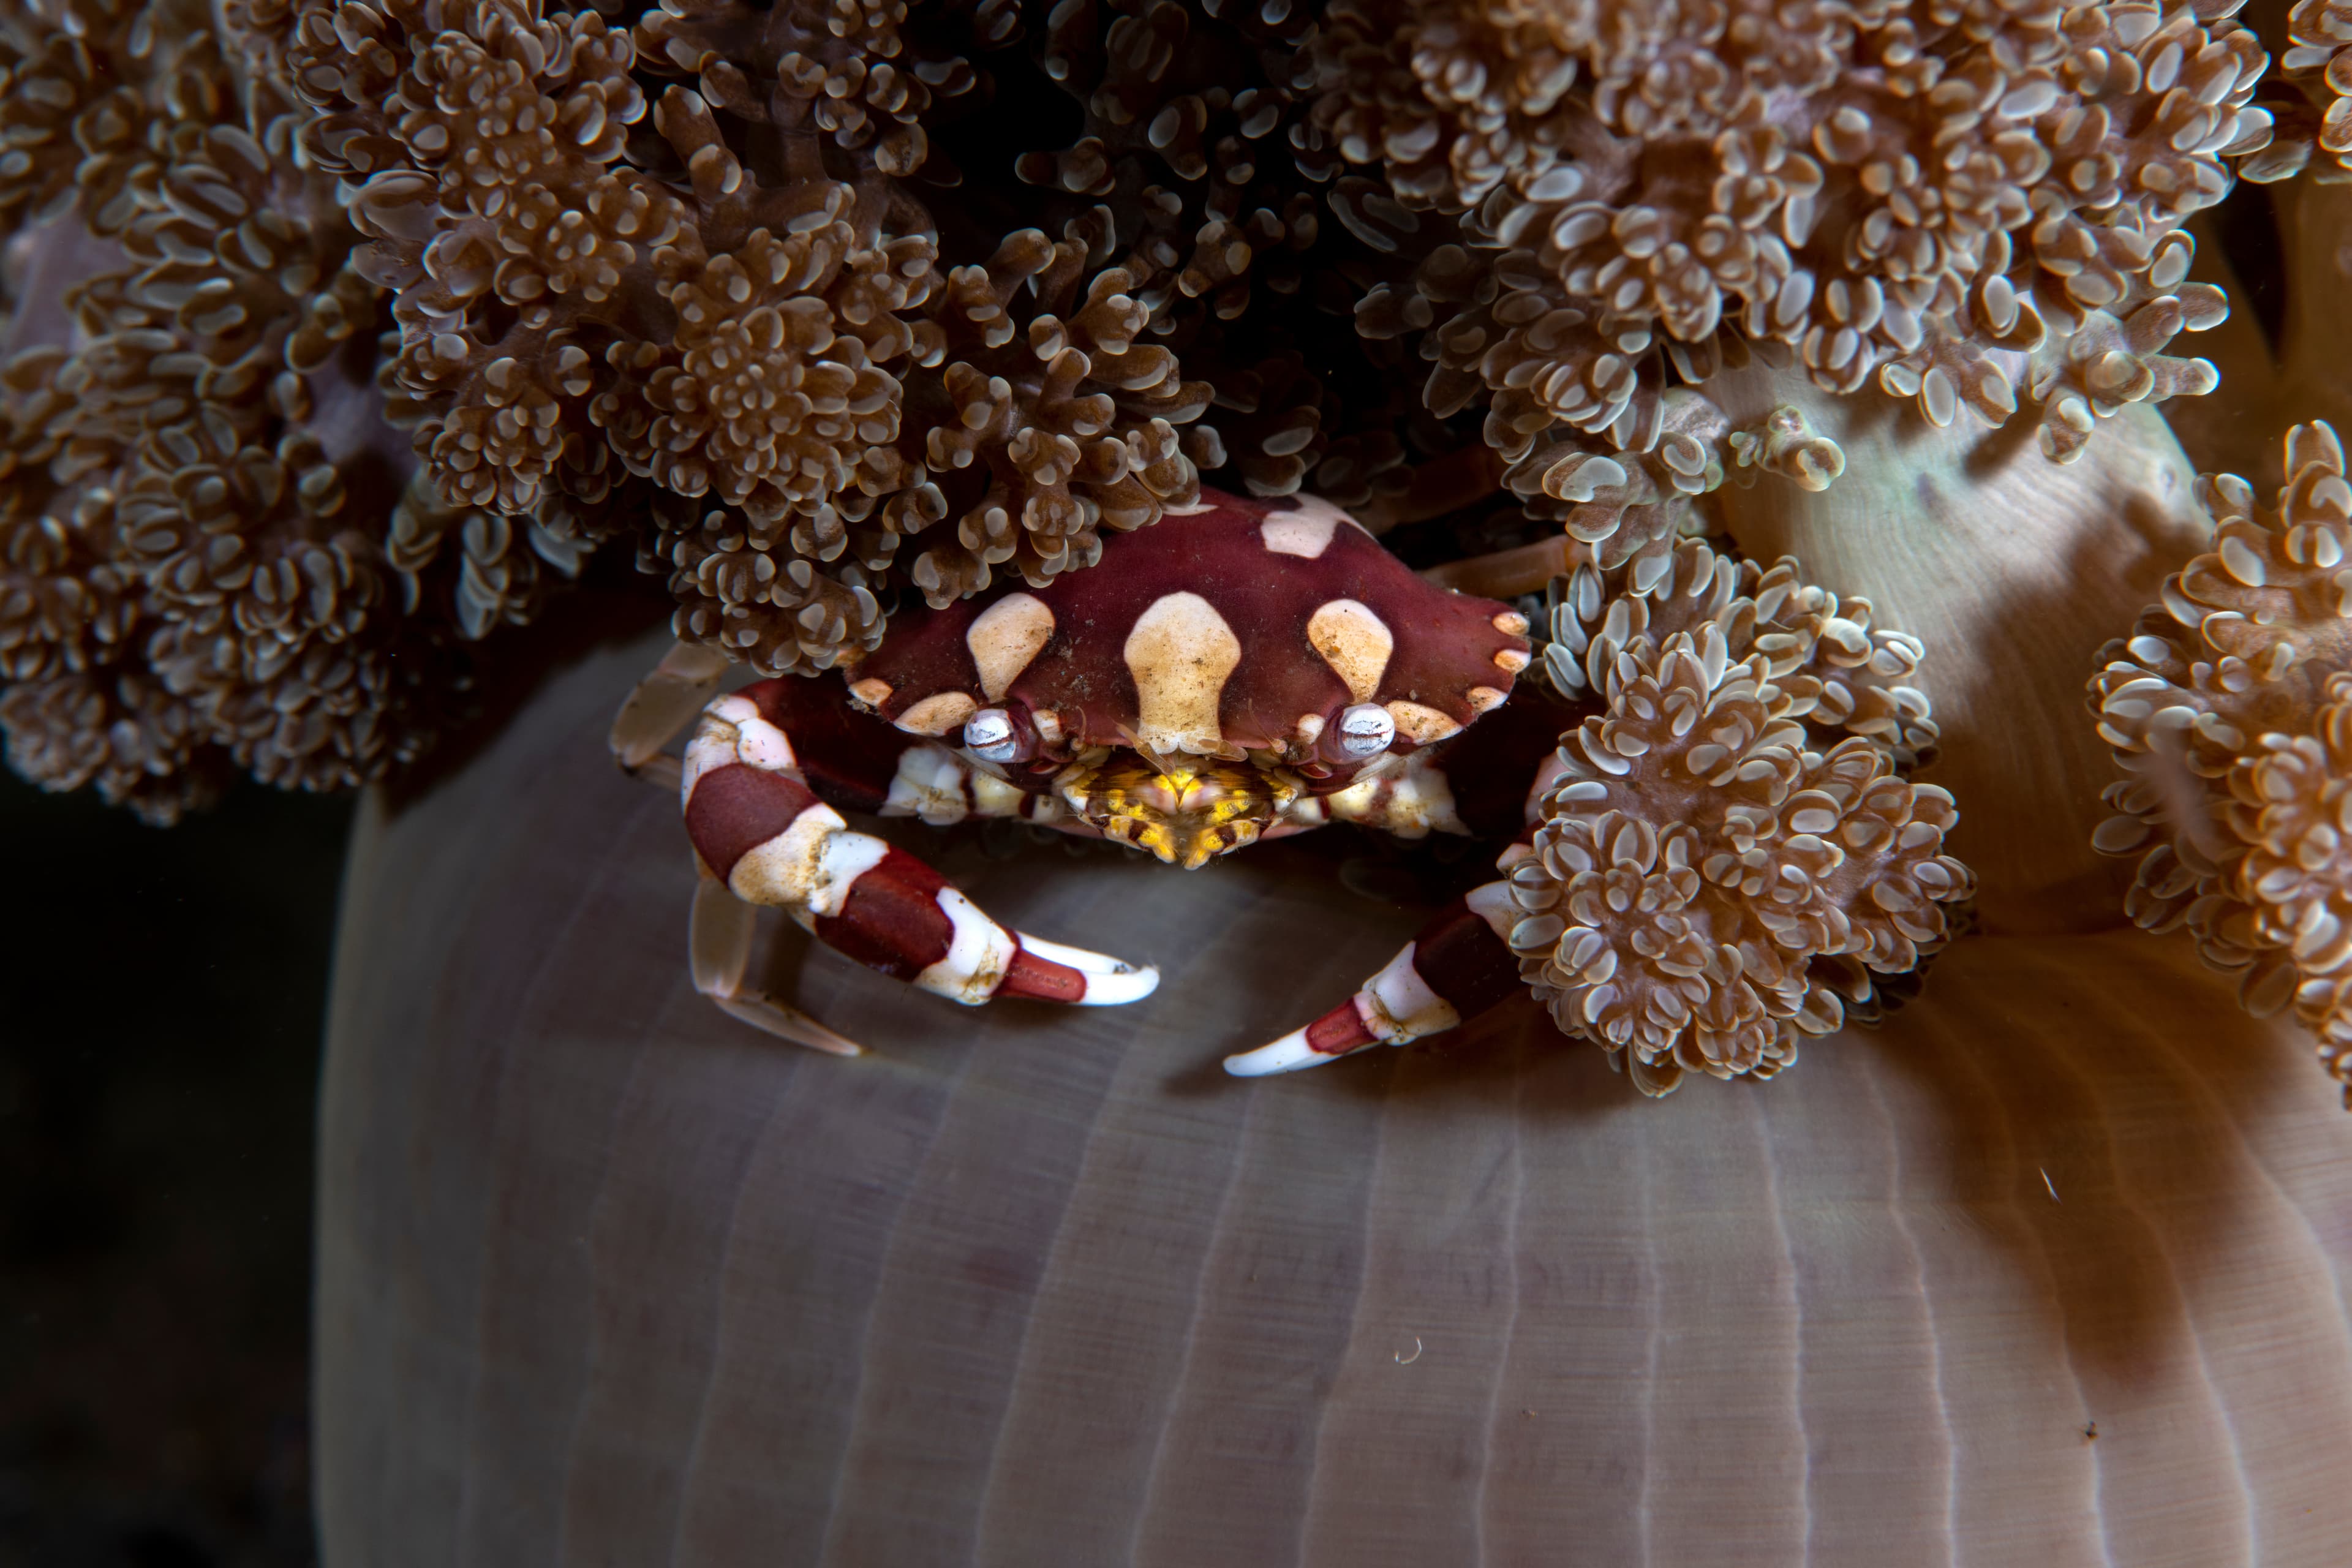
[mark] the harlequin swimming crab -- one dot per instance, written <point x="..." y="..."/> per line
<point x="1711" y="863"/>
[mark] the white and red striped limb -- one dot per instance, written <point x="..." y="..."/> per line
<point x="760" y="830"/>
<point x="1456" y="968"/>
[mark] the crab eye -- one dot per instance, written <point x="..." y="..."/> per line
<point x="1366" y="730"/>
<point x="990" y="733"/>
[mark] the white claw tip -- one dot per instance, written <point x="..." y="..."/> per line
<point x="1122" y="985"/>
<point x="1287" y="1053"/>
<point x="1110" y="981"/>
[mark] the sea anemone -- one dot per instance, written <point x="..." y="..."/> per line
<point x="2046" y="1248"/>
<point x="1731" y="848"/>
<point x="2310" y="98"/>
<point x="1953" y="208"/>
<point x="197" y="582"/>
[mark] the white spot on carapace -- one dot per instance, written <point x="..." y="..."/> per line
<point x="1181" y="652"/>
<point x="1421" y="724"/>
<point x="1511" y="660"/>
<point x="1305" y="530"/>
<point x="1004" y="638"/>
<point x="1485" y="699"/>
<point x="869" y="693"/>
<point x="1192" y="508"/>
<point x="938" y="714"/>
<point x="1510" y="623"/>
<point x="1354" y="642"/>
<point x="1309" y="729"/>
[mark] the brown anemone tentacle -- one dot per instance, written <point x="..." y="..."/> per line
<point x="2229" y="711"/>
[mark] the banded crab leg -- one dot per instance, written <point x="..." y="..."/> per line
<point x="720" y="930"/>
<point x="1457" y="967"/>
<point x="1461" y="964"/>
<point x="763" y="834"/>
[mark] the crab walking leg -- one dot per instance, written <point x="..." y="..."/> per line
<point x="719" y="944"/>
<point x="662" y="704"/>
<point x="1456" y="968"/>
<point x="760" y="830"/>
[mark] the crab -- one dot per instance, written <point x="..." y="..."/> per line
<point x="1242" y="670"/>
<point x="1710" y="841"/>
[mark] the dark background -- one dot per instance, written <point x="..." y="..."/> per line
<point x="164" y="996"/>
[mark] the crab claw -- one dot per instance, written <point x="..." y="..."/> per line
<point x="765" y="837"/>
<point x="1458" y="967"/>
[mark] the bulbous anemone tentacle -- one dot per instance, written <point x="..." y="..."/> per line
<point x="1694" y="859"/>
<point x="2229" y="709"/>
<point x="1968" y="215"/>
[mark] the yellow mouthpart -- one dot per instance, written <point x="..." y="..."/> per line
<point x="1184" y="810"/>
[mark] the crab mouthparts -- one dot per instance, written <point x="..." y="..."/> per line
<point x="1184" y="810"/>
